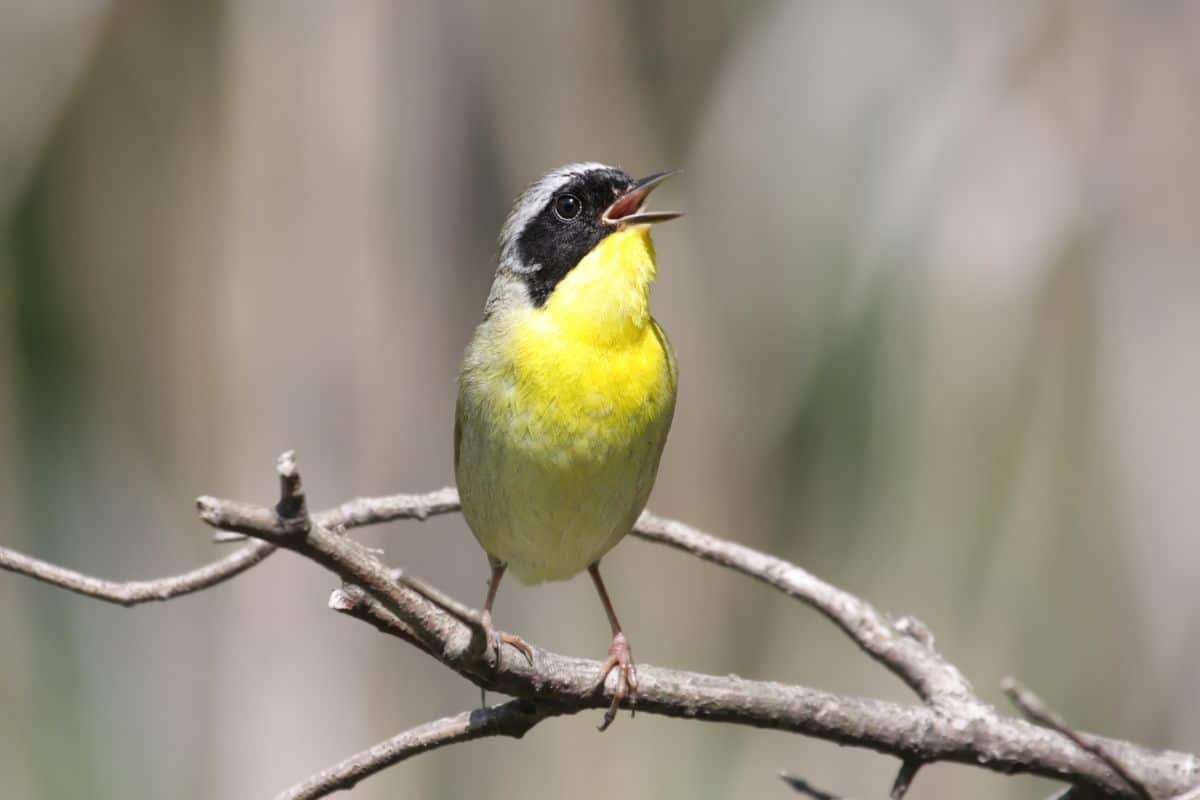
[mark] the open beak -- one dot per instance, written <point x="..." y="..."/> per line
<point x="627" y="209"/>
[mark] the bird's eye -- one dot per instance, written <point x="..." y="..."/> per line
<point x="567" y="206"/>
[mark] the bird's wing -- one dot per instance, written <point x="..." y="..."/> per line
<point x="457" y="431"/>
<point x="673" y="370"/>
<point x="672" y="367"/>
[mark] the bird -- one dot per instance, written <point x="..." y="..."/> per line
<point x="566" y="392"/>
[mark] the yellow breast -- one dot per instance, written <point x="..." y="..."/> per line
<point x="592" y="366"/>
<point x="593" y="361"/>
<point x="563" y="412"/>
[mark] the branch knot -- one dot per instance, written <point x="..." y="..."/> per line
<point x="292" y="508"/>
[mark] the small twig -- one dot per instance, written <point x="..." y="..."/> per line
<point x="513" y="719"/>
<point x="904" y="779"/>
<point x="1038" y="712"/>
<point x="375" y="510"/>
<point x="363" y="511"/>
<point x="457" y="609"/>
<point x="354" y="602"/>
<point x="292" y="507"/>
<point x="131" y="593"/>
<point x="450" y="605"/>
<point x="805" y="788"/>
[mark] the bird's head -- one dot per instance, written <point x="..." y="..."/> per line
<point x="566" y="215"/>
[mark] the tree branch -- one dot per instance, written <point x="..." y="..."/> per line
<point x="905" y="647"/>
<point x="513" y="719"/>
<point x="908" y="655"/>
<point x="353" y="602"/>
<point x="1038" y="712"/>
<point x="131" y="593"/>
<point x="954" y="726"/>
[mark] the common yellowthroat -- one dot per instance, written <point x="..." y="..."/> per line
<point x="567" y="391"/>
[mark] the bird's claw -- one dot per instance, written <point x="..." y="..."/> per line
<point x="620" y="658"/>
<point x="496" y="639"/>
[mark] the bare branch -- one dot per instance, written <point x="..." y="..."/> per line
<point x="958" y="727"/>
<point x="1037" y="711"/>
<point x="375" y="510"/>
<point x="440" y="599"/>
<point x="513" y="719"/>
<point x="132" y="593"/>
<point x="906" y="648"/>
<point x="910" y="657"/>
<point x="363" y="511"/>
<point x="354" y="602"/>
<point x="955" y="725"/>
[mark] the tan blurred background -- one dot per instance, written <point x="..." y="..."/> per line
<point x="936" y="303"/>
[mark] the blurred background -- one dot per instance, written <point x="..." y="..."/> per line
<point x="936" y="303"/>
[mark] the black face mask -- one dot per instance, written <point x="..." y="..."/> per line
<point x="567" y="229"/>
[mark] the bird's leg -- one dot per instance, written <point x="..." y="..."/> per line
<point x="494" y="637"/>
<point x="620" y="657"/>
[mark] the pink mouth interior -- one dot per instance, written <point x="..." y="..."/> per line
<point x="625" y="205"/>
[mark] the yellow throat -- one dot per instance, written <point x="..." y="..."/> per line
<point x="605" y="299"/>
<point x="592" y="365"/>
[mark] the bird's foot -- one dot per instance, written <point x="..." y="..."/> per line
<point x="620" y="658"/>
<point x="496" y="639"/>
